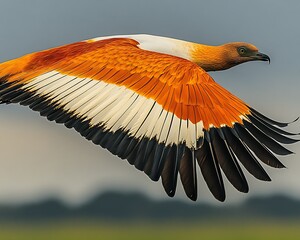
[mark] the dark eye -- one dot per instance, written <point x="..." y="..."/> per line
<point x="242" y="50"/>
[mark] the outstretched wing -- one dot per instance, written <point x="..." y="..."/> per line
<point x="160" y="112"/>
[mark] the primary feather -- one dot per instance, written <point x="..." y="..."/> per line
<point x="150" y="100"/>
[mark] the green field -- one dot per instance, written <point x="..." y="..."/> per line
<point x="98" y="230"/>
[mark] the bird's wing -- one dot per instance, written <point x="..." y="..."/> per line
<point x="160" y="112"/>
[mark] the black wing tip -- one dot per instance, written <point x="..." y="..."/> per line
<point x="266" y="139"/>
<point x="244" y="188"/>
<point x="237" y="134"/>
<point x="263" y="153"/>
<point x="295" y="120"/>
<point x="220" y="196"/>
<point x="153" y="177"/>
<point x="280" y="165"/>
<point x="171" y="193"/>
<point x="288" y="152"/>
<point x="193" y="197"/>
<point x="227" y="160"/>
<point x="265" y="118"/>
<point x="187" y="173"/>
<point x="245" y="156"/>
<point x="266" y="179"/>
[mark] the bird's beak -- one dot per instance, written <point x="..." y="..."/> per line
<point x="261" y="57"/>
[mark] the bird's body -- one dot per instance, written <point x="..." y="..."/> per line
<point x="150" y="100"/>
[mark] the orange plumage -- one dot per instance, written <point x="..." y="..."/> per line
<point x="150" y="99"/>
<point x="108" y="61"/>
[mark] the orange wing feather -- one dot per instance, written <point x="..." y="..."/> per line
<point x="121" y="62"/>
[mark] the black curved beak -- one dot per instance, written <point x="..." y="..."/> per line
<point x="261" y="57"/>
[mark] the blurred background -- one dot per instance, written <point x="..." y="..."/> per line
<point x="54" y="183"/>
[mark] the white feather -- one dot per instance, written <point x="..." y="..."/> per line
<point x="159" y="44"/>
<point x="116" y="108"/>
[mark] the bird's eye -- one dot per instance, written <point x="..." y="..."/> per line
<point x="242" y="50"/>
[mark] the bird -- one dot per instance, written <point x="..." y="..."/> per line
<point x="150" y="99"/>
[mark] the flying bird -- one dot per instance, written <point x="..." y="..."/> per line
<point x="150" y="100"/>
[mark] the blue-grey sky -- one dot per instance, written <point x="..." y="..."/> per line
<point x="40" y="158"/>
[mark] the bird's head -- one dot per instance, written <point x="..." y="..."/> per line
<point x="240" y="52"/>
<point x="214" y="58"/>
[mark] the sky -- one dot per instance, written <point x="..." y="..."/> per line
<point x="41" y="159"/>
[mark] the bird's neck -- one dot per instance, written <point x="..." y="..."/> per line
<point x="211" y="58"/>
